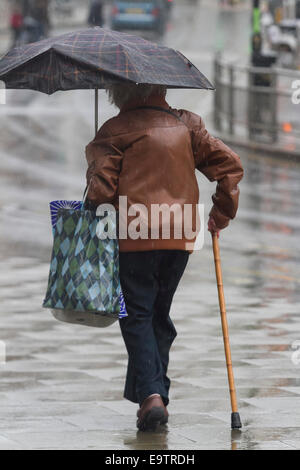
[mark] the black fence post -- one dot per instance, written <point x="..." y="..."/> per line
<point x="217" y="73"/>
<point x="250" y="104"/>
<point x="274" y="106"/>
<point x="231" y="99"/>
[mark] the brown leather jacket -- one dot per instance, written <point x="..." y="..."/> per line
<point x="150" y="156"/>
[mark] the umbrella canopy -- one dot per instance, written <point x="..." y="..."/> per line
<point x="94" y="58"/>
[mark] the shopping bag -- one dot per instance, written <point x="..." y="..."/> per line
<point x="84" y="284"/>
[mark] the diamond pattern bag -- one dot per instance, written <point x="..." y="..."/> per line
<point x="84" y="285"/>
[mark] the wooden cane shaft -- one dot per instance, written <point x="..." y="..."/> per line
<point x="225" y="330"/>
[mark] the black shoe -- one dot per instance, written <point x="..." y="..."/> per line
<point x="152" y="414"/>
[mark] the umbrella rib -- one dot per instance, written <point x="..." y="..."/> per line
<point x="101" y="45"/>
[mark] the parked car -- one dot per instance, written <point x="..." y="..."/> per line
<point x="139" y="14"/>
<point x="284" y="38"/>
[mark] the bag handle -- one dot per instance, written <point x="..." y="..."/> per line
<point x="84" y="198"/>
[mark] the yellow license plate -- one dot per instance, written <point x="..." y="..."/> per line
<point x="134" y="11"/>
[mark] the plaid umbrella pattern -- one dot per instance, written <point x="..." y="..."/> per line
<point x="94" y="58"/>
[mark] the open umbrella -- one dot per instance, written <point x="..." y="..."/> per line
<point x="93" y="59"/>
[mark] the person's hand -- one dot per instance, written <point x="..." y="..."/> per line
<point x="212" y="227"/>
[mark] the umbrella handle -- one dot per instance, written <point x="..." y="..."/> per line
<point x="96" y="110"/>
<point x="235" y="418"/>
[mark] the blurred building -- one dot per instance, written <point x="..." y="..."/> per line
<point x="281" y="9"/>
<point x="276" y="9"/>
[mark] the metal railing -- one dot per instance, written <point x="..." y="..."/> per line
<point x="257" y="103"/>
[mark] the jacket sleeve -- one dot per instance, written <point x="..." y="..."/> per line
<point x="218" y="163"/>
<point x="105" y="163"/>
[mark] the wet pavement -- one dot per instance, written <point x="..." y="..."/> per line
<point x="61" y="386"/>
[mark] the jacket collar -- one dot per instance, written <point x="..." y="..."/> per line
<point x="153" y="100"/>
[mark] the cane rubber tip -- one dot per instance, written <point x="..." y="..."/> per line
<point x="236" y="421"/>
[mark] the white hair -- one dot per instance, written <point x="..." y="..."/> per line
<point x="120" y="94"/>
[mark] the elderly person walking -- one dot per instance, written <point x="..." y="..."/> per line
<point x="148" y="153"/>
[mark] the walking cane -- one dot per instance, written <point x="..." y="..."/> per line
<point x="235" y="417"/>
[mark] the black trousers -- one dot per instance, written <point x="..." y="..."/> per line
<point x="149" y="280"/>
